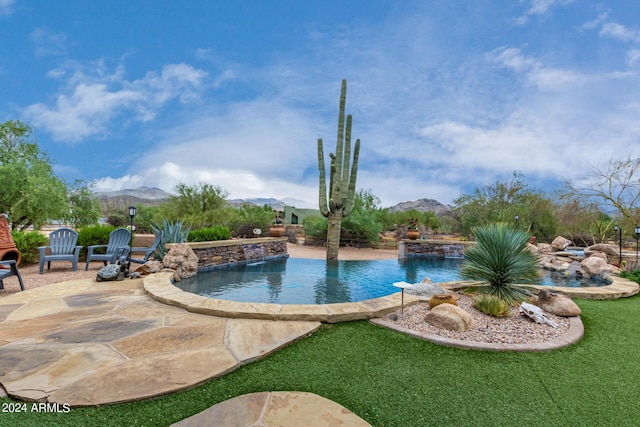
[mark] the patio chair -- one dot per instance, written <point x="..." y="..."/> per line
<point x="117" y="248"/>
<point x="148" y="251"/>
<point x="10" y="268"/>
<point x="62" y="247"/>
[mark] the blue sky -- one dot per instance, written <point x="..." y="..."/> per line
<point x="445" y="95"/>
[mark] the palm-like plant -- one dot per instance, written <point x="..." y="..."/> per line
<point x="501" y="259"/>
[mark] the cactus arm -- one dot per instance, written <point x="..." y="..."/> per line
<point x="339" y="143"/>
<point x="352" y="181"/>
<point x="346" y="162"/>
<point x="324" y="210"/>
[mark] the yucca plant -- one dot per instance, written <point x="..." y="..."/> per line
<point x="172" y="233"/>
<point x="501" y="259"/>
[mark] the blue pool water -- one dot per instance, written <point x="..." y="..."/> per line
<point x="312" y="281"/>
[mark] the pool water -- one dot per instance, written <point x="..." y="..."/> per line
<point x="313" y="281"/>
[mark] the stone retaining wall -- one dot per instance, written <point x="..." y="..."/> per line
<point x="430" y="247"/>
<point x="221" y="253"/>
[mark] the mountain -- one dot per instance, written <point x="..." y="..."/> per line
<point x="145" y="193"/>
<point x="276" y="204"/>
<point x="422" y="205"/>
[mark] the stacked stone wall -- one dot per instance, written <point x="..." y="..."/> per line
<point x="221" y="253"/>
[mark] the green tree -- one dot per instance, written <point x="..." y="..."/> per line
<point x="248" y="217"/>
<point x="84" y="207"/>
<point x="200" y="205"/>
<point x="362" y="227"/>
<point x="502" y="202"/>
<point x="31" y="193"/>
<point x="501" y="259"/>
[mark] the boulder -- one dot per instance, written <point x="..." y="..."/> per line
<point x="148" y="268"/>
<point x="438" y="299"/>
<point x="602" y="255"/>
<point x="594" y="265"/>
<point x="560" y="244"/>
<point x="560" y="305"/>
<point x="607" y="248"/>
<point x="544" y="247"/>
<point x="449" y="317"/>
<point x="182" y="259"/>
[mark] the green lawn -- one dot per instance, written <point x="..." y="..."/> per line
<point x="390" y="379"/>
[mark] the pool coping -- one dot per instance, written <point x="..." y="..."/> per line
<point x="159" y="286"/>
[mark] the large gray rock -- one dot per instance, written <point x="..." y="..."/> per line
<point x="607" y="248"/>
<point x="560" y="305"/>
<point x="594" y="265"/>
<point x="425" y="289"/>
<point x="450" y="317"/>
<point x="183" y="260"/>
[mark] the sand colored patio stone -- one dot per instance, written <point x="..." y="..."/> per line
<point x="33" y="372"/>
<point x="175" y="338"/>
<point x="109" y="344"/>
<point x="275" y="409"/>
<point x="251" y="339"/>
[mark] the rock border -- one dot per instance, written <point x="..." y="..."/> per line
<point x="572" y="336"/>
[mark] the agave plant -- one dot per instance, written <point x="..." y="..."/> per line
<point x="501" y="259"/>
<point x="172" y="233"/>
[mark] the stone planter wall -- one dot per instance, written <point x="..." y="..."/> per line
<point x="212" y="255"/>
<point x="450" y="248"/>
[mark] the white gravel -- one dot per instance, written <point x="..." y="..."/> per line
<point x="515" y="329"/>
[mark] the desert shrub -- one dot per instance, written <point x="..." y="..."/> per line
<point x="209" y="234"/>
<point x="172" y="233"/>
<point x="491" y="305"/>
<point x="93" y="235"/>
<point x="27" y="243"/>
<point x="501" y="259"/>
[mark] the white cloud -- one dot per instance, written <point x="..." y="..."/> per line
<point x="540" y="8"/>
<point x="6" y="7"/>
<point x="48" y="43"/>
<point x="620" y="32"/>
<point x="90" y="101"/>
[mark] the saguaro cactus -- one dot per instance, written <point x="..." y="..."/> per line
<point x="342" y="179"/>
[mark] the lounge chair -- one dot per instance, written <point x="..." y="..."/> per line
<point x="148" y="251"/>
<point x="116" y="249"/>
<point x="10" y="268"/>
<point x="62" y="247"/>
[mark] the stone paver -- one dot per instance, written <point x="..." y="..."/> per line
<point x="89" y="343"/>
<point x="275" y="409"/>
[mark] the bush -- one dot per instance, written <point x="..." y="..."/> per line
<point x="501" y="259"/>
<point x="631" y="275"/>
<point x="94" y="235"/>
<point x="209" y="234"/>
<point x="27" y="243"/>
<point x="491" y="305"/>
<point x="172" y="233"/>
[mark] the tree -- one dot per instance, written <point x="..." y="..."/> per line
<point x="342" y="179"/>
<point x="84" y="207"/>
<point x="200" y="205"/>
<point x="31" y="193"/>
<point x="362" y="226"/>
<point x="248" y="217"/>
<point x="502" y="202"/>
<point x="617" y="186"/>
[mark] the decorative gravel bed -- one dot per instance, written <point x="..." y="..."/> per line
<point x="515" y="329"/>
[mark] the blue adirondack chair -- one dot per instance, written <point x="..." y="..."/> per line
<point x="62" y="247"/>
<point x="116" y="249"/>
<point x="9" y="268"/>
<point x="147" y="250"/>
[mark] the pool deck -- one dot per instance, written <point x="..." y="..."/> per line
<point x="86" y="343"/>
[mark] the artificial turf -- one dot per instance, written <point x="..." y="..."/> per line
<point x="390" y="379"/>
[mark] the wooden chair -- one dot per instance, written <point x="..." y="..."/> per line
<point x="148" y="251"/>
<point x="10" y="268"/>
<point x="116" y="249"/>
<point x="62" y="247"/>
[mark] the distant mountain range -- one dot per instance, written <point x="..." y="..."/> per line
<point x="153" y="196"/>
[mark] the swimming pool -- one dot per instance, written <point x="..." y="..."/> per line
<point x="313" y="281"/>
